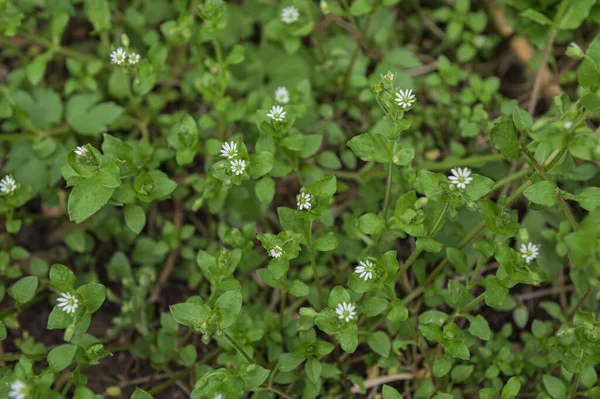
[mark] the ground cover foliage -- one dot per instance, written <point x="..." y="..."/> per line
<point x="296" y="199"/>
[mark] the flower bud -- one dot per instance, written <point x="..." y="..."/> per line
<point x="324" y="7"/>
<point x="125" y="40"/>
<point x="309" y="312"/>
<point x="113" y="391"/>
<point x="574" y="51"/>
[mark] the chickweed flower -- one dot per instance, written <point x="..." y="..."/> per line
<point x="282" y="95"/>
<point x="68" y="302"/>
<point x="276" y="113"/>
<point x="276" y="251"/>
<point x="8" y="185"/>
<point x="118" y="56"/>
<point x="81" y="151"/>
<point x="345" y="311"/>
<point x="238" y="166"/>
<point x="405" y="98"/>
<point x="365" y="269"/>
<point x="388" y="77"/>
<point x="461" y="177"/>
<point x="134" y="58"/>
<point x="18" y="390"/>
<point x="289" y="15"/>
<point x="303" y="199"/>
<point x="229" y="150"/>
<point x="529" y="252"/>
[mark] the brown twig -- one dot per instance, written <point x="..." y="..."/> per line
<point x="373" y="382"/>
<point x="173" y="256"/>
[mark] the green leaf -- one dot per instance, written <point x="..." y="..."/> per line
<point x="554" y="387"/>
<point x="397" y="311"/>
<point x="374" y="305"/>
<point x="288" y="362"/>
<point x="3" y="332"/>
<point x="261" y="163"/>
<point x="577" y="12"/>
<point x="542" y="193"/>
<point x="92" y="296"/>
<point x="327" y="242"/>
<point x="89" y="118"/>
<point x="371" y="223"/>
<point x="42" y="106"/>
<point x="86" y="199"/>
<point x="495" y="294"/>
<point x="479" y="186"/>
<point x="457" y="349"/>
<point x="589" y="199"/>
<point x="371" y="147"/>
<point x="135" y="218"/>
<point x="360" y="7"/>
<point x="190" y="314"/>
<point x="265" y="189"/>
<point x="505" y="139"/>
<point x="479" y="327"/>
<point x="229" y="304"/>
<point x="146" y="78"/>
<point x="521" y="118"/>
<point x="589" y="75"/>
<point x="62" y="279"/>
<point x="24" y="289"/>
<point x="442" y="366"/>
<point x="512" y="388"/>
<point x="140" y="394"/>
<point x="380" y="343"/>
<point x="348" y="338"/>
<point x="313" y="369"/>
<point x="390" y="393"/>
<point x="98" y="12"/>
<point x="536" y="16"/>
<point x="61" y="357"/>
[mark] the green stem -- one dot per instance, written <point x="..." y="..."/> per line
<point x="473" y="279"/>
<point x="388" y="189"/>
<point x="574" y="386"/>
<point x="173" y="380"/>
<point x="469" y="306"/>
<point x="471" y="161"/>
<point x="313" y="265"/>
<point x="238" y="347"/>
<point x="11" y="357"/>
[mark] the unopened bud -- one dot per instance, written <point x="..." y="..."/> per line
<point x="309" y="312"/>
<point x="125" y="40"/>
<point x="574" y="51"/>
<point x="113" y="391"/>
<point x="324" y="7"/>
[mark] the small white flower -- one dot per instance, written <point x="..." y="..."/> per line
<point x="276" y="251"/>
<point x="276" y="113"/>
<point x="238" y="166"/>
<point x="568" y="125"/>
<point x="461" y="177"/>
<point x="478" y="41"/>
<point x="68" y="302"/>
<point x="118" y="56"/>
<point x="8" y="185"/>
<point x="303" y="200"/>
<point x="18" y="390"/>
<point x="290" y="14"/>
<point x="345" y="311"/>
<point x="365" y="269"/>
<point x="282" y="95"/>
<point x="405" y="98"/>
<point x="529" y="252"/>
<point x="219" y="396"/>
<point x="81" y="151"/>
<point x="229" y="150"/>
<point x="134" y="58"/>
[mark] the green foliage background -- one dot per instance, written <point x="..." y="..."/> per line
<point x="219" y="282"/>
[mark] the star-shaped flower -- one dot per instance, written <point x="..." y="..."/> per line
<point x="461" y="177"/>
<point x="303" y="200"/>
<point x="238" y="166"/>
<point x="405" y="98"/>
<point x="365" y="269"/>
<point x="345" y="311"/>
<point x="68" y="302"/>
<point x="276" y="251"/>
<point x="118" y="56"/>
<point x="282" y="95"/>
<point x="8" y="185"/>
<point x="276" y="113"/>
<point x="229" y="150"/>
<point x="529" y="252"/>
<point x="290" y="14"/>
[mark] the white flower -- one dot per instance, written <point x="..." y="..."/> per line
<point x="568" y="125"/>
<point x="529" y="252"/>
<point x="461" y="177"/>
<point x="134" y="58"/>
<point x="478" y="41"/>
<point x="8" y="185"/>
<point x="282" y="95"/>
<point x="276" y="113"/>
<point x="229" y="150"/>
<point x="289" y="15"/>
<point x="365" y="269"/>
<point x="81" y="151"/>
<point x="219" y="396"/>
<point x="405" y="98"/>
<point x="68" y="302"/>
<point x="303" y="200"/>
<point x="118" y="56"/>
<point x="345" y="311"/>
<point x="238" y="166"/>
<point x="388" y="77"/>
<point x="18" y="390"/>
<point x="276" y="251"/>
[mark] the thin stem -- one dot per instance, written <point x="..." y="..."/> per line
<point x="363" y="35"/>
<point x="473" y="279"/>
<point x="388" y="189"/>
<point x="580" y="303"/>
<point x="173" y="380"/>
<point x="280" y="393"/>
<point x="471" y="161"/>
<point x="237" y="347"/>
<point x="574" y="386"/>
<point x="469" y="306"/>
<point x="313" y="265"/>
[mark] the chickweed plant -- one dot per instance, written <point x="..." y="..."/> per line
<point x="299" y="199"/>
